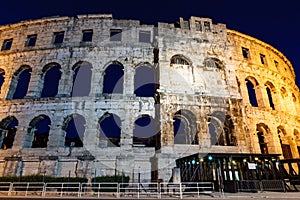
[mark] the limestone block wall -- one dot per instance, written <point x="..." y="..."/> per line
<point x="200" y="104"/>
<point x="276" y="73"/>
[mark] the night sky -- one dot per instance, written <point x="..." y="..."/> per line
<point x="274" y="22"/>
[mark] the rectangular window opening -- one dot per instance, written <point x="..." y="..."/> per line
<point x="145" y="36"/>
<point x="87" y="35"/>
<point x="263" y="59"/>
<point x="115" y="35"/>
<point x="276" y="63"/>
<point x="207" y="27"/>
<point x="186" y="25"/>
<point x="198" y="26"/>
<point x="6" y="44"/>
<point x="246" y="53"/>
<point x="31" y="40"/>
<point x="59" y="37"/>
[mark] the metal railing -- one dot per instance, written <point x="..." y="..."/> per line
<point x="104" y="189"/>
<point x="263" y="185"/>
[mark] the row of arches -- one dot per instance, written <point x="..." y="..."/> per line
<point x="145" y="131"/>
<point x="74" y="127"/>
<point x="50" y="79"/>
<point x="113" y="78"/>
<point x="212" y="62"/>
<point x="220" y="128"/>
<point x="255" y="93"/>
<point x="267" y="140"/>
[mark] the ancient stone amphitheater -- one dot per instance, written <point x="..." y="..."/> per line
<point x="91" y="96"/>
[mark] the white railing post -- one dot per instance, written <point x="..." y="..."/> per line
<point x="79" y="189"/>
<point x="118" y="190"/>
<point x="180" y="190"/>
<point x="27" y="186"/>
<point x="10" y="188"/>
<point x="62" y="187"/>
<point x="98" y="192"/>
<point x="43" y="191"/>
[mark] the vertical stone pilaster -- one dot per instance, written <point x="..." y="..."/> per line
<point x="57" y="135"/>
<point x="65" y="83"/>
<point x="12" y="87"/>
<point x="20" y="135"/>
<point x="35" y="84"/>
<point x="129" y="73"/>
<point x="91" y="139"/>
<point x="244" y="92"/>
<point x="5" y="86"/>
<point x="96" y="82"/>
<point x="262" y="96"/>
<point x="166" y="127"/>
<point x="126" y="139"/>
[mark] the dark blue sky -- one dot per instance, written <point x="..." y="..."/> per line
<point x="274" y="22"/>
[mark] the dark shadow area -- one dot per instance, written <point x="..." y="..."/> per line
<point x="8" y="131"/>
<point x="110" y="129"/>
<point x="82" y="79"/>
<point x="22" y="79"/>
<point x="113" y="79"/>
<point x="144" y="82"/>
<point x="75" y="131"/>
<point x="144" y="133"/>
<point x="52" y="76"/>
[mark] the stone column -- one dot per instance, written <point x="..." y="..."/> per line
<point x="90" y="139"/>
<point x="166" y="127"/>
<point x="253" y="143"/>
<point x="273" y="142"/>
<point x="12" y="87"/>
<point x="57" y="135"/>
<point x="65" y="83"/>
<point x="261" y="96"/>
<point x="21" y="134"/>
<point x="34" y="85"/>
<point x="203" y="134"/>
<point x="5" y="86"/>
<point x="96" y="82"/>
<point x="129" y="72"/>
<point x="126" y="139"/>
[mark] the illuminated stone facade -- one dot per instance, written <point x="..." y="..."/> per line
<point x="216" y="90"/>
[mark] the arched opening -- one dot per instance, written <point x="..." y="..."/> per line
<point x="270" y="90"/>
<point x="38" y="132"/>
<point x="20" y="82"/>
<point x="75" y="128"/>
<point x="213" y="63"/>
<point x="8" y="132"/>
<point x="262" y="131"/>
<point x="284" y="142"/>
<point x="179" y="60"/>
<point x="230" y="138"/>
<point x="110" y="129"/>
<point x="251" y="84"/>
<point x="144" y="132"/>
<point x="82" y="79"/>
<point x="185" y="128"/>
<point x="215" y="127"/>
<point x="51" y="77"/>
<point x="144" y="82"/>
<point x="2" y="76"/>
<point x="113" y="79"/>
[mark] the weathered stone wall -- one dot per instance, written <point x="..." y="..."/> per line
<point x="206" y="78"/>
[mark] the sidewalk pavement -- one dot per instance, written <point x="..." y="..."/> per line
<point x="259" y="195"/>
